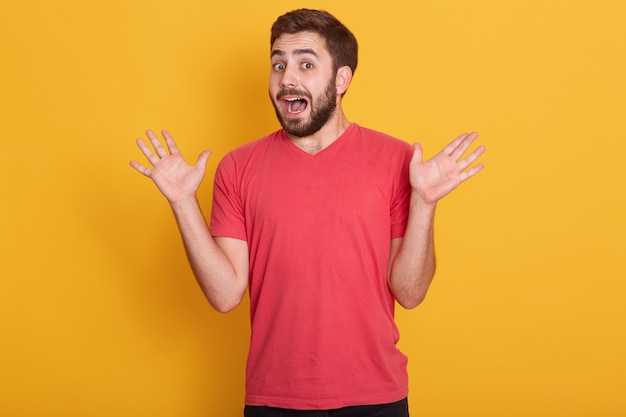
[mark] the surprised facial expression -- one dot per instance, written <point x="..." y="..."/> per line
<point x="302" y="83"/>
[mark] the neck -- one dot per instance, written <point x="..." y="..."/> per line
<point x="323" y="138"/>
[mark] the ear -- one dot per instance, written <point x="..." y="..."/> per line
<point x="343" y="79"/>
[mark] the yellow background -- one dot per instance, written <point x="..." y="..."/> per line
<point x="100" y="315"/>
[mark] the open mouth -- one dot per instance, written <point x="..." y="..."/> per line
<point x="294" y="105"/>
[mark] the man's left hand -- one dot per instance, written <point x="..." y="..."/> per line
<point x="437" y="177"/>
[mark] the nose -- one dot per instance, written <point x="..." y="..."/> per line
<point x="288" y="78"/>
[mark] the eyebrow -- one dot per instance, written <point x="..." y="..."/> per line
<point x="303" y="51"/>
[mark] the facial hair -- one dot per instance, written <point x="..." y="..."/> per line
<point x="321" y="111"/>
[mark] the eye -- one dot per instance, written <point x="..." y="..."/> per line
<point x="307" y="65"/>
<point x="278" y="66"/>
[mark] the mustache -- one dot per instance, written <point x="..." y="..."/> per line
<point x="292" y="92"/>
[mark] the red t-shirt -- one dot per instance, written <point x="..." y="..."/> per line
<point x="319" y="229"/>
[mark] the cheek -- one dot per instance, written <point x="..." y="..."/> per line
<point x="273" y="78"/>
<point x="273" y="90"/>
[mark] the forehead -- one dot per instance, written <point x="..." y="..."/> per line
<point x="294" y="43"/>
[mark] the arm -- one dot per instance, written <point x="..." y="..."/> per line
<point x="219" y="264"/>
<point x="412" y="258"/>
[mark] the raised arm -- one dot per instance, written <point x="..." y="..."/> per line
<point x="219" y="264"/>
<point x="412" y="260"/>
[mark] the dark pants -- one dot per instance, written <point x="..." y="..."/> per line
<point x="398" y="409"/>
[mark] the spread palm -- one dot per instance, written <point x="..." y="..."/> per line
<point x="437" y="177"/>
<point x="172" y="175"/>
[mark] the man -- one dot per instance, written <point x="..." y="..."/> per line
<point x="325" y="222"/>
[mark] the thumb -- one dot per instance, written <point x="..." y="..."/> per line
<point x="417" y="153"/>
<point x="202" y="160"/>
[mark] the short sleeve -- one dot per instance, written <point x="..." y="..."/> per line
<point x="227" y="214"/>
<point x="399" y="209"/>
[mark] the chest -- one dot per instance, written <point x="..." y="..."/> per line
<point x="333" y="190"/>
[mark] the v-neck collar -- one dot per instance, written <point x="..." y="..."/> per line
<point x="321" y="154"/>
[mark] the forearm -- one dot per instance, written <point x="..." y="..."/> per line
<point x="413" y="267"/>
<point x="222" y="279"/>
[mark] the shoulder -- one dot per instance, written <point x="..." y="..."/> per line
<point x="377" y="136"/>
<point x="381" y="142"/>
<point x="243" y="154"/>
<point x="251" y="148"/>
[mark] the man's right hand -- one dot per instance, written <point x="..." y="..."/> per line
<point x="172" y="175"/>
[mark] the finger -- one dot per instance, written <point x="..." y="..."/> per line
<point x="169" y="141"/>
<point x="469" y="160"/>
<point x="464" y="146"/>
<point x="147" y="152"/>
<point x="156" y="143"/>
<point x="471" y="172"/>
<point x="140" y="168"/>
<point x="454" y="145"/>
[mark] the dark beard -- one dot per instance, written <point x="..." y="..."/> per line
<point x="325" y="106"/>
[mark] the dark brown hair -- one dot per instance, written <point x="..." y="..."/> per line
<point x="341" y="43"/>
